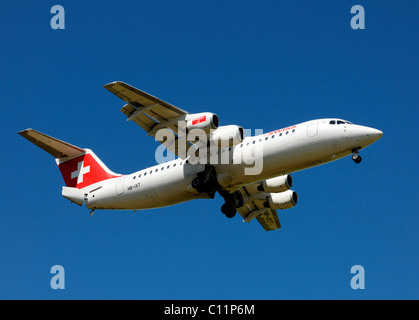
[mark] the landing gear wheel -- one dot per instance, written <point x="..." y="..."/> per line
<point x="197" y="183"/>
<point x="356" y="157"/>
<point x="228" y="210"/>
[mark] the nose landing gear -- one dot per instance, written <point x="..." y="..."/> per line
<point x="356" y="157"/>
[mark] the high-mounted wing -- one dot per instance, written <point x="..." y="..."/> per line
<point x="254" y="207"/>
<point x="269" y="220"/>
<point x="267" y="217"/>
<point x="149" y="112"/>
<point x="174" y="127"/>
<point x="260" y="200"/>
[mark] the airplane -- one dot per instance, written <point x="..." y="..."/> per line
<point x="191" y="175"/>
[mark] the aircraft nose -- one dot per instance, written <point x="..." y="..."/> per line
<point x="374" y="134"/>
<point x="363" y="136"/>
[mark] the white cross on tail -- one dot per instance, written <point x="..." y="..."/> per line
<point x="80" y="172"/>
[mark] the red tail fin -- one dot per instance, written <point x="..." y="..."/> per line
<point x="80" y="167"/>
<point x="84" y="170"/>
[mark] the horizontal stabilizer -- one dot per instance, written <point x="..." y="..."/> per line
<point x="74" y="195"/>
<point x="59" y="149"/>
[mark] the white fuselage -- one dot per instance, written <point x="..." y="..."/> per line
<point x="284" y="151"/>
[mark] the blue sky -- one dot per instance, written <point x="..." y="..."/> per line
<point x="258" y="64"/>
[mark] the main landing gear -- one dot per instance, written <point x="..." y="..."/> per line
<point x="228" y="210"/>
<point x="356" y="157"/>
<point x="206" y="182"/>
<point x="232" y="201"/>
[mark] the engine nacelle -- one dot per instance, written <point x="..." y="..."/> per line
<point x="204" y="121"/>
<point x="278" y="184"/>
<point x="227" y="136"/>
<point x="283" y="200"/>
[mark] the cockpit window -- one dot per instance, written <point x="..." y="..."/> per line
<point x="339" y="122"/>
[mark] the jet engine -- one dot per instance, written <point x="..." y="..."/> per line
<point x="283" y="200"/>
<point x="204" y="121"/>
<point x="278" y="184"/>
<point x="227" y="136"/>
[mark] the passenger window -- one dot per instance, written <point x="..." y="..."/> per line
<point x="266" y="138"/>
<point x="293" y="131"/>
<point x="287" y="132"/>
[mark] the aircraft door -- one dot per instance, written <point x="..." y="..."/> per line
<point x="120" y="186"/>
<point x="312" y="129"/>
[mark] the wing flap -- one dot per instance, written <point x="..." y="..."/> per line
<point x="254" y="208"/>
<point x="128" y="110"/>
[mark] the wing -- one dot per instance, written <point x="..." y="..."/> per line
<point x="257" y="206"/>
<point x="150" y="113"/>
<point x="269" y="220"/>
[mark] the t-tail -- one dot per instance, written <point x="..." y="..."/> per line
<point x="80" y="168"/>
